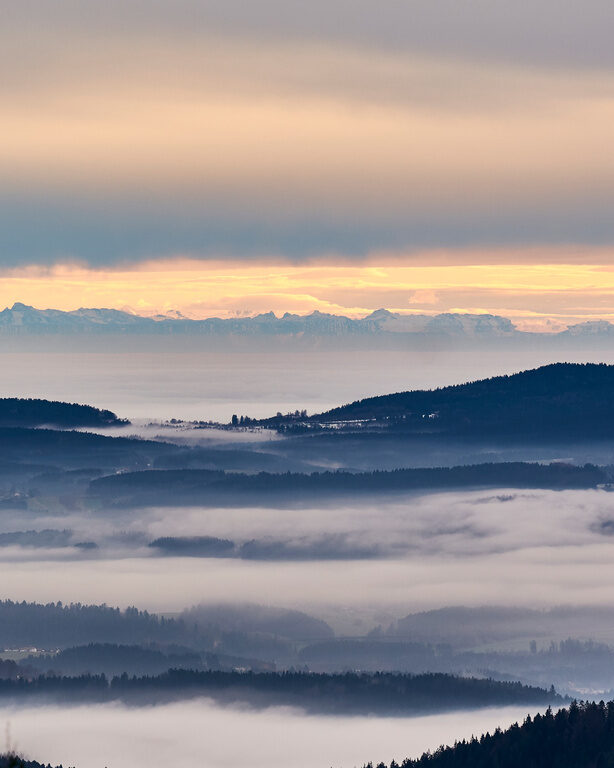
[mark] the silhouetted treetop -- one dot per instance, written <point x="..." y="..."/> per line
<point x="14" y="761"/>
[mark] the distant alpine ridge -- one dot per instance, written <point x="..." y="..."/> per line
<point x="23" y="319"/>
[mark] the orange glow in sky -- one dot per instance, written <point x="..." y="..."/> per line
<point x="547" y="295"/>
<point x="278" y="159"/>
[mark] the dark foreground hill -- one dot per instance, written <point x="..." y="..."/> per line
<point x="14" y="761"/>
<point x="579" y="737"/>
<point x="18" y="412"/>
<point x="562" y="400"/>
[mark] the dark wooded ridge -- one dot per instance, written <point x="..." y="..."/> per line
<point x="30" y="412"/>
<point x="153" y="487"/>
<point x="562" y="400"/>
<point x="382" y="693"/>
<point x="581" y="736"/>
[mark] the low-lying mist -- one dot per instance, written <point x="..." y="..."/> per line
<point x="198" y="733"/>
<point x="408" y="553"/>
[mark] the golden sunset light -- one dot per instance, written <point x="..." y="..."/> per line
<point x="533" y="295"/>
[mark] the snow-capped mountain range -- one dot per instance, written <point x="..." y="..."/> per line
<point x="23" y="319"/>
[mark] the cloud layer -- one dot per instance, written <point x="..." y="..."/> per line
<point x="136" y="130"/>
<point x="199" y="733"/>
<point x="548" y="294"/>
<point x="426" y="552"/>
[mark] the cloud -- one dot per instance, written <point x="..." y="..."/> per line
<point x="155" y="737"/>
<point x="140" y="131"/>
<point x="426" y="551"/>
<point x="499" y="31"/>
<point x="427" y="282"/>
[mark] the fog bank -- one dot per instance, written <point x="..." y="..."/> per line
<point x="198" y="734"/>
<point x="416" y="553"/>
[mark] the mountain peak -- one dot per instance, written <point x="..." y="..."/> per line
<point x="265" y="316"/>
<point x="381" y="314"/>
<point x="590" y="328"/>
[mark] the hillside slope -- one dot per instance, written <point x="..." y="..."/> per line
<point x="579" y="737"/>
<point x="31" y="412"/>
<point x="562" y="399"/>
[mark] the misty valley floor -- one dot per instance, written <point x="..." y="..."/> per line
<point x="264" y="550"/>
<point x="409" y="552"/>
<point x="201" y="734"/>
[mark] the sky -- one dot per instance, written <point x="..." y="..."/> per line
<point x="218" y="157"/>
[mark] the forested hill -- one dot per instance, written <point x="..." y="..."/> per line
<point x="18" y="412"/>
<point x="563" y="399"/>
<point x="200" y="486"/>
<point x="381" y="694"/>
<point x="579" y="737"/>
<point x="57" y="626"/>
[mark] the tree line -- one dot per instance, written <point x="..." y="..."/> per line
<point x="155" y="487"/>
<point x="581" y="736"/>
<point x="32" y="412"/>
<point x="381" y="693"/>
<point x="55" y="625"/>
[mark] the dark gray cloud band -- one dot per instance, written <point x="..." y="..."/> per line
<point x="545" y="32"/>
<point x="288" y="129"/>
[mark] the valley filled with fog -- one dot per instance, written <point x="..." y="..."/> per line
<point x="200" y="734"/>
<point x="200" y="566"/>
<point x="406" y="552"/>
